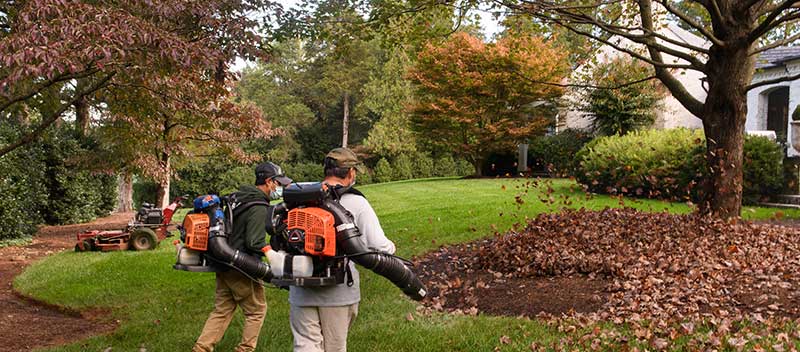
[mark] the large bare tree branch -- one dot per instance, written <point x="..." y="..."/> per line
<point x="688" y="20"/>
<point x="776" y="44"/>
<point x="590" y="86"/>
<point x="615" y="30"/>
<point x="770" y="21"/>
<point x="773" y="81"/>
<point x="694" y="63"/>
<point x="6" y="103"/>
<point x="675" y="87"/>
<point x="52" y="117"/>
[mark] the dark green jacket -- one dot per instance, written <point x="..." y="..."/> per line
<point x="250" y="227"/>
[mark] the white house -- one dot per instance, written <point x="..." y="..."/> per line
<point x="672" y="114"/>
<point x="768" y="107"/>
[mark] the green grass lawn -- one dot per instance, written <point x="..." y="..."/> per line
<point x="161" y="309"/>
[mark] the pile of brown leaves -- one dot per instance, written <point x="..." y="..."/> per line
<point x="622" y="265"/>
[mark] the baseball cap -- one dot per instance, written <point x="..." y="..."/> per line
<point x="345" y="158"/>
<point x="268" y="170"/>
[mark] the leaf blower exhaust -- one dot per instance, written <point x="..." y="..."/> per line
<point x="383" y="264"/>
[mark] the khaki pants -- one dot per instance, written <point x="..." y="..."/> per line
<point x="234" y="289"/>
<point x="318" y="329"/>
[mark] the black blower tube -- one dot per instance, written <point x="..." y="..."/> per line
<point x="247" y="264"/>
<point x="382" y="264"/>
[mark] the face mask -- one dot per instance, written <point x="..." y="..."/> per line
<point x="276" y="194"/>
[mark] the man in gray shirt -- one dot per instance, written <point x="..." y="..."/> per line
<point x="321" y="317"/>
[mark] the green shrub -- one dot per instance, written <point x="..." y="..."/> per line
<point x="383" y="171"/>
<point x="669" y="164"/>
<point x="79" y="196"/>
<point x="444" y="166"/>
<point x="423" y="166"/>
<point x="365" y="178"/>
<point x="305" y="172"/>
<point x="47" y="182"/>
<point x="146" y="191"/>
<point x="763" y="168"/>
<point x="463" y="168"/>
<point x="556" y="154"/>
<point x="76" y="194"/>
<point x="210" y="177"/>
<point x="403" y="168"/>
<point x="23" y="193"/>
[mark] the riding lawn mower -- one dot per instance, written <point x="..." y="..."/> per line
<point x="150" y="226"/>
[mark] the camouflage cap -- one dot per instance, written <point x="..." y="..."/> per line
<point x="345" y="158"/>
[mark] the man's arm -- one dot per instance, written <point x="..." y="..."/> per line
<point x="370" y="227"/>
<point x="255" y="229"/>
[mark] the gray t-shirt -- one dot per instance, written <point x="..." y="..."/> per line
<point x="373" y="238"/>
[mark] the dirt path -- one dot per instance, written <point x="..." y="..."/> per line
<point x="27" y="324"/>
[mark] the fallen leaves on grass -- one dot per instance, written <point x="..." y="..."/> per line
<point x="664" y="276"/>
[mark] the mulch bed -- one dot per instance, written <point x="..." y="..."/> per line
<point x="28" y="324"/>
<point x="624" y="266"/>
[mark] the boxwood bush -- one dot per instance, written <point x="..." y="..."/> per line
<point x="670" y="164"/>
<point x="45" y="182"/>
<point x="555" y="154"/>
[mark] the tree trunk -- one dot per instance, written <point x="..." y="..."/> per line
<point x="478" y="165"/>
<point x="346" y="120"/>
<point x="82" y="116"/>
<point x="724" y="116"/>
<point x="163" y="185"/>
<point x="22" y="115"/>
<point x="125" y="192"/>
<point x="81" y="111"/>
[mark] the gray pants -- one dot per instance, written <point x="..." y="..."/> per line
<point x="321" y="329"/>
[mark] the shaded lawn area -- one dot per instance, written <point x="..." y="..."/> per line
<point x="161" y="309"/>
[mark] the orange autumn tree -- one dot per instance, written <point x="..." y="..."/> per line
<point x="475" y="99"/>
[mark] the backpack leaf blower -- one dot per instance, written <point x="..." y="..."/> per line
<point x="205" y="237"/>
<point x="312" y="238"/>
<point x="311" y="222"/>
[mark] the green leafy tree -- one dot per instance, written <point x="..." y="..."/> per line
<point x="270" y="86"/>
<point x="630" y="106"/>
<point x="387" y="96"/>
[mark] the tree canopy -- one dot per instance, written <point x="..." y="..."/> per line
<point x="475" y="98"/>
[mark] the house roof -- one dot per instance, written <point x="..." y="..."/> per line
<point x="775" y="57"/>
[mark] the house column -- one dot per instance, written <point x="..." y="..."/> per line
<point x="794" y="101"/>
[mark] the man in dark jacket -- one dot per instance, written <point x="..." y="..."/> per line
<point x="233" y="288"/>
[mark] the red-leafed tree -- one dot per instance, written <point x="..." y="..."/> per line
<point x="475" y="99"/>
<point x="155" y="68"/>
<point x="146" y="131"/>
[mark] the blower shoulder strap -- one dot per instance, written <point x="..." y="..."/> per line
<point x="241" y="207"/>
<point x="352" y="190"/>
<point x="233" y="208"/>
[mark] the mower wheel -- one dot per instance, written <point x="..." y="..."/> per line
<point x="85" y="246"/>
<point x="143" y="239"/>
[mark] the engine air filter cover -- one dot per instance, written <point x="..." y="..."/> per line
<point x="314" y="228"/>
